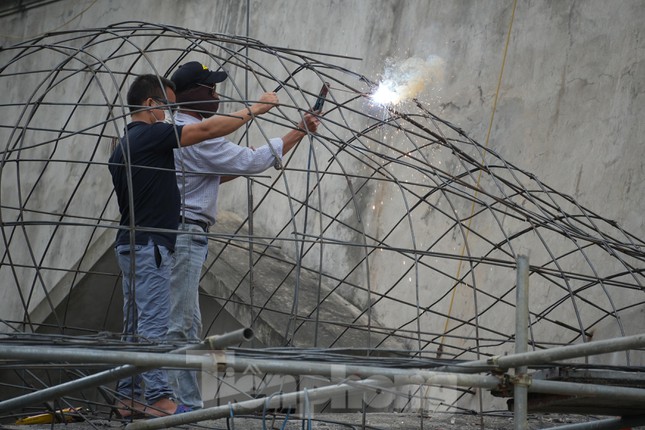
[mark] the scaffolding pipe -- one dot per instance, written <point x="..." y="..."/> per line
<point x="66" y="388"/>
<point x="570" y="351"/>
<point x="299" y="397"/>
<point x="608" y="424"/>
<point x="626" y="394"/>
<point x="124" y="371"/>
<point x="520" y="387"/>
<point x="551" y="355"/>
<point x="337" y="372"/>
<point x="222" y="360"/>
<point x="228" y="339"/>
<point x="277" y="401"/>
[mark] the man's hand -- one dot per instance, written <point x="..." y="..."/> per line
<point x="309" y="123"/>
<point x="267" y="102"/>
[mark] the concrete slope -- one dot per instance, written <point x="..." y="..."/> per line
<point x="317" y="307"/>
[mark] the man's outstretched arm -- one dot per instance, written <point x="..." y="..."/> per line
<point x="219" y="126"/>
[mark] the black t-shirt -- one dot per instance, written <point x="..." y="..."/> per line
<point x="155" y="195"/>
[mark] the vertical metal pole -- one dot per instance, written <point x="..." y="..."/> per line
<point x="249" y="181"/>
<point x="520" y="388"/>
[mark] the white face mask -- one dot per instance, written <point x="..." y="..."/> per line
<point x="167" y="116"/>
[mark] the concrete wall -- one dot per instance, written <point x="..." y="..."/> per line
<point x="569" y="107"/>
<point x="571" y="97"/>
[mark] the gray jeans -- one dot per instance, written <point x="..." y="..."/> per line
<point x="185" y="318"/>
<point x="146" y="309"/>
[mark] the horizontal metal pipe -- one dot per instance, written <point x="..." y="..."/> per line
<point x="341" y="371"/>
<point x="110" y="375"/>
<point x="99" y="356"/>
<point x="554" y="354"/>
<point x="608" y="424"/>
<point x="228" y="339"/>
<point x="221" y="360"/>
<point x="588" y="390"/>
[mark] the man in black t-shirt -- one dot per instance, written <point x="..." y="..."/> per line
<point x="143" y="173"/>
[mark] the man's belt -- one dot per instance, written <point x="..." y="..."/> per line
<point x="202" y="224"/>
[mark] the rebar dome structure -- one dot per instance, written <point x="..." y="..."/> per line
<point x="389" y="232"/>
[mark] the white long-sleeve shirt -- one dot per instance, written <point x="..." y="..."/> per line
<point x="200" y="166"/>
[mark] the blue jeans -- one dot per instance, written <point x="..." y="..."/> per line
<point x="185" y="324"/>
<point x="146" y="309"/>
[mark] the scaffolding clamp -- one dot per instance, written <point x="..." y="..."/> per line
<point x="493" y="361"/>
<point x="522" y="379"/>
<point x="505" y="387"/>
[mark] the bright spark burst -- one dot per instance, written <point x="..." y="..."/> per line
<point x="407" y="79"/>
<point x="386" y="94"/>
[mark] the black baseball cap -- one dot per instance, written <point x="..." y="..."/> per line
<point x="193" y="73"/>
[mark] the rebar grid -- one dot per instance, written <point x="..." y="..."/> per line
<point x="413" y="223"/>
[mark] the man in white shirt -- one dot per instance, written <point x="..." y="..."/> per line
<point x="198" y="177"/>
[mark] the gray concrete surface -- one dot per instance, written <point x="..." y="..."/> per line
<point x="373" y="421"/>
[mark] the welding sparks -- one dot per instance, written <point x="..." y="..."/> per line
<point x="386" y="94"/>
<point x="407" y="79"/>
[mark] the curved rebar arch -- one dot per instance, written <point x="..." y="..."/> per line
<point x="394" y="214"/>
